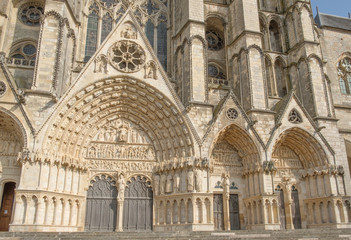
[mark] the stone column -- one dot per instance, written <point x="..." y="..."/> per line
<point x="18" y="210"/>
<point x="179" y="212"/>
<point x="26" y="214"/>
<point x="40" y="214"/>
<point x="120" y="206"/>
<point x="226" y="211"/>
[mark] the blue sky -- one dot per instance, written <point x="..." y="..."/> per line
<point x="334" y="7"/>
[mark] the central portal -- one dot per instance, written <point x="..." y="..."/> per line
<point x="137" y="213"/>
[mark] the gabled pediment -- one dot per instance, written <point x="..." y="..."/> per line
<point x="126" y="52"/>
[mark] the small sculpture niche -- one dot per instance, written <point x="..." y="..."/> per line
<point x="129" y="32"/>
<point x="101" y="64"/>
<point x="151" y="70"/>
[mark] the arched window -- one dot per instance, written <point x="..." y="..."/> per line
<point x="103" y="15"/>
<point x="215" y="72"/>
<point x="24" y="53"/>
<point x="274" y="35"/>
<point x="280" y="78"/>
<point x="344" y="74"/>
<point x="153" y="17"/>
<point x="264" y="35"/>
<point x="270" y="77"/>
<point x="217" y="77"/>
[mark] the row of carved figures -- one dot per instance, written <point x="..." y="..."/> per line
<point x="179" y="181"/>
<point x="121" y="152"/>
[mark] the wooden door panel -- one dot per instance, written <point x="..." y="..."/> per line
<point x="295" y="209"/>
<point x="101" y="207"/>
<point x="282" y="210"/>
<point x="218" y="212"/>
<point x="7" y="206"/>
<point x="234" y="212"/>
<point x="137" y="213"/>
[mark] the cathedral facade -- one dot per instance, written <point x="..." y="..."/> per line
<point x="173" y="115"/>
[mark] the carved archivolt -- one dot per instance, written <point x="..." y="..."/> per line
<point x="126" y="56"/>
<point x="102" y="104"/>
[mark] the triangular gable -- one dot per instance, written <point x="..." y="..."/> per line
<point x="10" y="93"/>
<point x="283" y="117"/>
<point x="221" y="118"/>
<point x="106" y="63"/>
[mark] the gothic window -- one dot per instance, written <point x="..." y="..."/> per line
<point x="102" y="16"/>
<point x="269" y="77"/>
<point x="26" y="50"/>
<point x="30" y="13"/>
<point x="92" y="31"/>
<point x="149" y="29"/>
<point x="344" y="74"/>
<point x="152" y="16"/>
<point x="215" y="72"/>
<point x="274" y="35"/>
<point x="214" y="39"/>
<point x="106" y="26"/>
<point x="280" y="78"/>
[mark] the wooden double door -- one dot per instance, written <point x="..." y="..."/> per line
<point x="101" y="211"/>
<point x="218" y="212"/>
<point x="7" y="205"/>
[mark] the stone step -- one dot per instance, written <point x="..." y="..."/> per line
<point x="301" y="234"/>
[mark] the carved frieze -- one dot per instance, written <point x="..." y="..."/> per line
<point x="121" y="140"/>
<point x="120" y="165"/>
<point x="225" y="155"/>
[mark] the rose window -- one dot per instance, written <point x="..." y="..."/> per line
<point x="232" y="114"/>
<point x="30" y="14"/>
<point x="214" y="40"/>
<point x="127" y="56"/>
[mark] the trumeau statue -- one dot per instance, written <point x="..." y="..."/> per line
<point x="121" y="186"/>
<point x="163" y="184"/>
<point x="157" y="184"/>
<point x="176" y="182"/>
<point x="169" y="183"/>
<point x="198" y="180"/>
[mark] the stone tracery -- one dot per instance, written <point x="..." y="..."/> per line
<point x="127" y="56"/>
